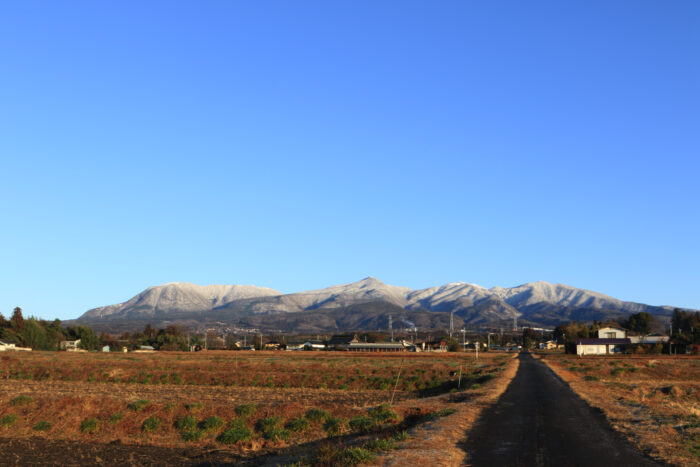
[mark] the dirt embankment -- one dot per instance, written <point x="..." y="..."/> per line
<point x="440" y="442"/>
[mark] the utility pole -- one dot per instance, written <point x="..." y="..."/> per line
<point x="189" y="349"/>
<point x="476" y="346"/>
<point x="391" y="328"/>
<point x="452" y="323"/>
<point x="261" y="341"/>
<point x="464" y="342"/>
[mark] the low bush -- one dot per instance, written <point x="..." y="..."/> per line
<point x="334" y="426"/>
<point x="237" y="431"/>
<point x="401" y="436"/>
<point x="89" y="425"/>
<point x="317" y="415"/>
<point x="191" y="435"/>
<point x="270" y="428"/>
<point x="21" y="400"/>
<point x="378" y="445"/>
<point x="212" y="423"/>
<point x="268" y="423"/>
<point x="297" y="424"/>
<point x="138" y="405"/>
<point x="356" y="456"/>
<point x="591" y="378"/>
<point x="362" y="423"/>
<point x="442" y="413"/>
<point x="383" y="413"/>
<point x="245" y="410"/>
<point x="186" y="423"/>
<point x="194" y="406"/>
<point x="8" y="420"/>
<point x="116" y="417"/>
<point x="152" y="423"/>
<point x="42" y="426"/>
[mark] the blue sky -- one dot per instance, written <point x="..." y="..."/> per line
<point x="297" y="145"/>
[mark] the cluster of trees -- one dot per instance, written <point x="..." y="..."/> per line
<point x="170" y="338"/>
<point x="639" y="323"/>
<point x="41" y="334"/>
<point x="685" y="327"/>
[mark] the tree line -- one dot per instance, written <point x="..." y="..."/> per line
<point x="40" y="334"/>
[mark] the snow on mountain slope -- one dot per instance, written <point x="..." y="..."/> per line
<point x="434" y="298"/>
<point x="366" y="290"/>
<point x="181" y="296"/>
<point x="472" y="302"/>
<point x="536" y="293"/>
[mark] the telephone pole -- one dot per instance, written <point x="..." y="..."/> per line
<point x="391" y="328"/>
<point x="452" y="323"/>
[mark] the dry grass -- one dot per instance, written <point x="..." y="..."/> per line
<point x="653" y="400"/>
<point x="67" y="389"/>
<point x="438" y="442"/>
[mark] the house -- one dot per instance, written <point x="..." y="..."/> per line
<point x="145" y="349"/>
<point x="70" y="346"/>
<point x="612" y="332"/>
<point x="601" y="346"/>
<point x="296" y="346"/>
<point x="6" y="345"/>
<point x="341" y="341"/>
<point x="376" y="347"/>
<point x="411" y="347"/>
<point x="314" y="345"/>
<point x="105" y="348"/>
<point x="272" y="345"/>
<point x="434" y="346"/>
<point x="549" y="345"/>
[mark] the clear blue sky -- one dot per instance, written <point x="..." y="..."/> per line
<point x="297" y="145"/>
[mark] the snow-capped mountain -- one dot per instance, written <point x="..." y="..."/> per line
<point x="331" y="308"/>
<point x="180" y="297"/>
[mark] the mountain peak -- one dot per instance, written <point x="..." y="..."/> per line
<point x="368" y="281"/>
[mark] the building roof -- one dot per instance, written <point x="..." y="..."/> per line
<point x="375" y="345"/>
<point x="603" y="341"/>
<point x="612" y="326"/>
<point x="342" y="339"/>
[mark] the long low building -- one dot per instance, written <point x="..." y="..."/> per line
<point x="605" y="346"/>
<point x="376" y="347"/>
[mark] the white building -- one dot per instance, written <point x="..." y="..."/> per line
<point x="70" y="346"/>
<point x="605" y="346"/>
<point x="611" y="333"/>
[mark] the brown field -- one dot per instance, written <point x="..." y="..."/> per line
<point x="653" y="400"/>
<point x="190" y="400"/>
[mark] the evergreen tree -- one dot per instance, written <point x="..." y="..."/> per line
<point x="17" y="320"/>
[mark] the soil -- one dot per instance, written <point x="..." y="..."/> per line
<point x="45" y="452"/>
<point x="540" y="421"/>
<point x="218" y="394"/>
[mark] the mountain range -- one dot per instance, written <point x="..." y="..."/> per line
<point x="362" y="305"/>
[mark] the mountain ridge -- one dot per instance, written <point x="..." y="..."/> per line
<point x="536" y="303"/>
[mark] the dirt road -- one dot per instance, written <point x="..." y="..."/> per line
<point x="540" y="421"/>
